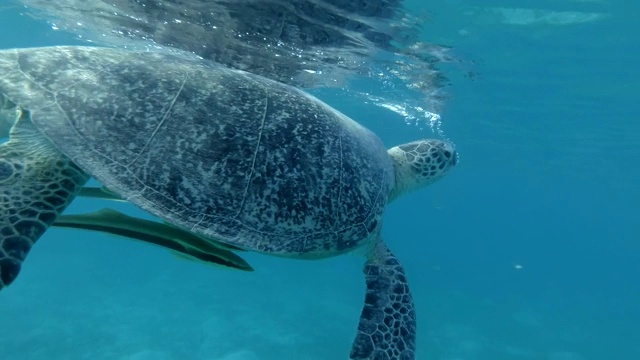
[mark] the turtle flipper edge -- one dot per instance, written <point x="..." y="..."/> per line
<point x="387" y="328"/>
<point x="37" y="183"/>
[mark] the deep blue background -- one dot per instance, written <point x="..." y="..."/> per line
<point x="528" y="250"/>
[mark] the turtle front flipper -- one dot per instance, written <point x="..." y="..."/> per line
<point x="37" y="183"/>
<point x="387" y="328"/>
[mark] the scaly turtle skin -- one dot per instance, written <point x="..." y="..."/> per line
<point x="222" y="153"/>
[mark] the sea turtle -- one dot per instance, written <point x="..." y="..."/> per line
<point x="222" y="153"/>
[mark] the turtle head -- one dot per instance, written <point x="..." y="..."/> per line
<point x="420" y="163"/>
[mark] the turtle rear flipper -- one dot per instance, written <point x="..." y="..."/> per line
<point x="37" y="183"/>
<point x="387" y="328"/>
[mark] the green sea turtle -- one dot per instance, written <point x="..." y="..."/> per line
<point x="225" y="154"/>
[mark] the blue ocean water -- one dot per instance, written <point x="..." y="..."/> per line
<point x="527" y="250"/>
